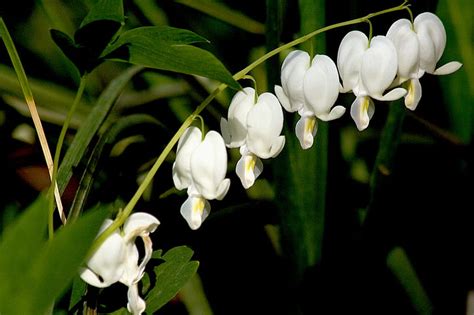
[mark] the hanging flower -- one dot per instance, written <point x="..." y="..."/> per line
<point x="311" y="89"/>
<point x="117" y="258"/>
<point x="200" y="166"/>
<point x="419" y="47"/>
<point x="368" y="69"/>
<point x="255" y="126"/>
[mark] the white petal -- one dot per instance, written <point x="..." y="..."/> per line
<point x="414" y="94"/>
<point x="349" y="58"/>
<point x="209" y="166"/>
<point x="393" y="95"/>
<point x="321" y="85"/>
<point x="264" y="125"/>
<point x="285" y="102"/>
<point x="107" y="264"/>
<point x="406" y="43"/>
<point x="362" y="110"/>
<point x="335" y="113"/>
<point x="305" y="130"/>
<point x="195" y="210"/>
<point x="379" y="66"/>
<point x="132" y="272"/>
<point x="248" y="168"/>
<point x="139" y="224"/>
<point x="188" y="142"/>
<point x="448" y="68"/>
<point x="432" y="38"/>
<point x="235" y="129"/>
<point x="292" y="74"/>
<point x="136" y="305"/>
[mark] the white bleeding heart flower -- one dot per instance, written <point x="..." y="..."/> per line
<point x="368" y="69"/>
<point x="419" y="47"/>
<point x="311" y="88"/>
<point x="200" y="166"/>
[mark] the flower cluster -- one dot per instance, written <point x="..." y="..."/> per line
<point x="117" y="259"/>
<point x="382" y="68"/>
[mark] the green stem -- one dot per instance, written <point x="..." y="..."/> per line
<point x="123" y="215"/>
<point x="59" y="145"/>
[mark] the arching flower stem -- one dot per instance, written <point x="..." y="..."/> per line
<point x="120" y="219"/>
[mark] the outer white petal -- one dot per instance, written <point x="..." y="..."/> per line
<point x="292" y="74"/>
<point x="408" y="48"/>
<point x="393" y="95"/>
<point x="248" y="168"/>
<point x="362" y="110"/>
<point x="209" y="166"/>
<point x="283" y="98"/>
<point x="132" y="273"/>
<point x="379" y="66"/>
<point x="448" y="68"/>
<point x="414" y="94"/>
<point x="335" y="113"/>
<point x="321" y="85"/>
<point x="107" y="264"/>
<point x="195" y="210"/>
<point x="234" y="130"/>
<point x="188" y="142"/>
<point x="264" y="125"/>
<point x="140" y="224"/>
<point x="349" y="58"/>
<point x="306" y="129"/>
<point x="432" y="38"/>
<point x="136" y="305"/>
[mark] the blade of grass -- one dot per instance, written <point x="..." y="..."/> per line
<point x="17" y="65"/>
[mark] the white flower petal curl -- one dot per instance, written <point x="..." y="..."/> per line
<point x="195" y="210"/>
<point x="306" y="129"/>
<point x="248" y="168"/>
<point x="413" y="96"/>
<point x="188" y="142"/>
<point x="448" y="68"/>
<point x="136" y="305"/>
<point x="362" y="110"/>
<point x="349" y="58"/>
<point x="264" y="125"/>
<point x="209" y="167"/>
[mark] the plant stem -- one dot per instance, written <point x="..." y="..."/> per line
<point x="123" y="215"/>
<point x="59" y="145"/>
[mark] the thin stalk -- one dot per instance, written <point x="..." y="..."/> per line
<point x="123" y="215"/>
<point x="28" y="94"/>
<point x="62" y="135"/>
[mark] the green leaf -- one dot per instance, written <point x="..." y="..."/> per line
<point x="59" y="261"/>
<point x="111" y="10"/>
<point x="91" y="125"/>
<point x="399" y="264"/>
<point x="168" y="48"/>
<point x="171" y="276"/>
<point x="20" y="243"/>
<point x="96" y="31"/>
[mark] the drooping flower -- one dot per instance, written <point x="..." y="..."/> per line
<point x="311" y="89"/>
<point x="419" y="47"/>
<point x="117" y="259"/>
<point x="255" y="126"/>
<point x="200" y="166"/>
<point x="368" y="69"/>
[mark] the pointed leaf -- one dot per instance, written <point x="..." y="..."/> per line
<point x="20" y="243"/>
<point x="171" y="276"/>
<point x="59" y="261"/>
<point x="111" y="10"/>
<point x="168" y="48"/>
